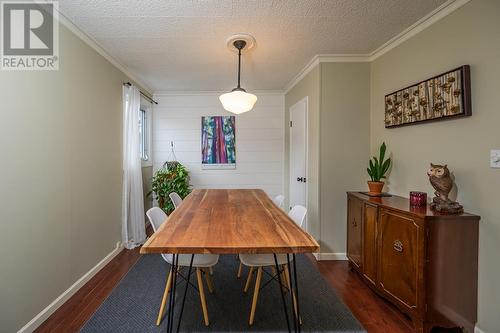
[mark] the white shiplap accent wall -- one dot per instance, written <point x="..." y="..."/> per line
<point x="259" y="140"/>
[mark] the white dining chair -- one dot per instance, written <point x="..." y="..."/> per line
<point x="298" y="215"/>
<point x="202" y="262"/>
<point x="176" y="199"/>
<point x="278" y="200"/>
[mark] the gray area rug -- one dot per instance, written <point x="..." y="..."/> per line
<point x="133" y="305"/>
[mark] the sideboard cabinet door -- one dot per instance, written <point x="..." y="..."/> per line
<point x="401" y="257"/>
<point x="370" y="243"/>
<point x="354" y="223"/>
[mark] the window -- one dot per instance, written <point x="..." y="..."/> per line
<point x="143" y="146"/>
<point x="144" y="135"/>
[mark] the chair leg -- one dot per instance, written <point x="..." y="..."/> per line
<point x="273" y="271"/>
<point x="289" y="285"/>
<point x="282" y="274"/>
<point x="239" y="270"/>
<point x="210" y="283"/>
<point x="202" y="296"/>
<point x="255" y="295"/>
<point x="211" y="270"/>
<point x="249" y="279"/>
<point x="164" y="299"/>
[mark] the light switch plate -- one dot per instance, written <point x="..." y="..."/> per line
<point x="495" y="159"/>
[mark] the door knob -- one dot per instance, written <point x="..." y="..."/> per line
<point x="300" y="179"/>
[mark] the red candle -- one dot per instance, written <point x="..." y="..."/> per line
<point x="418" y="199"/>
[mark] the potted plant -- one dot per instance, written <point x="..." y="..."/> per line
<point x="377" y="169"/>
<point x="172" y="177"/>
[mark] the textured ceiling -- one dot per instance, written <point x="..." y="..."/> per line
<point x="180" y="45"/>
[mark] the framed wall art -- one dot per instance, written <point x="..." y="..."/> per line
<point x="444" y="96"/>
<point x="218" y="146"/>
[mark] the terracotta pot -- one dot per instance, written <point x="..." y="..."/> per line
<point x="375" y="187"/>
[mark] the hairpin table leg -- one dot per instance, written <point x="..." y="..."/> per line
<point x="175" y="262"/>
<point x="296" y="290"/>
<point x="282" y="294"/>
<point x="185" y="293"/>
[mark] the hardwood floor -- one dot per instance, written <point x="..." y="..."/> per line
<point x="376" y="315"/>
<point x="73" y="314"/>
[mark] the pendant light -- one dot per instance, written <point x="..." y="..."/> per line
<point x="238" y="100"/>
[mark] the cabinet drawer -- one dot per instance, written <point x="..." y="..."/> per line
<point x="401" y="255"/>
<point x="354" y="224"/>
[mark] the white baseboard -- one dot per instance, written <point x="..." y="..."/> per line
<point x="330" y="256"/>
<point x="478" y="330"/>
<point x="52" y="307"/>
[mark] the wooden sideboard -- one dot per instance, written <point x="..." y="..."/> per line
<point x="422" y="261"/>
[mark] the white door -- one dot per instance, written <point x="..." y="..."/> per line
<point x="298" y="153"/>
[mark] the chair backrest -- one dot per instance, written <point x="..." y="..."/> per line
<point x="156" y="217"/>
<point x="298" y="214"/>
<point x="176" y="199"/>
<point x="278" y="200"/>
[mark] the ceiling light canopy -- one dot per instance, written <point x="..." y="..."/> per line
<point x="238" y="100"/>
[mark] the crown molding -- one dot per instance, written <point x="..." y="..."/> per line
<point x="319" y="58"/>
<point x="303" y="72"/>
<point x="437" y="14"/>
<point x="343" y="57"/>
<point x="160" y="93"/>
<point x="99" y="49"/>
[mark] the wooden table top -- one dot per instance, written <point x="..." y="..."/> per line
<point x="229" y="221"/>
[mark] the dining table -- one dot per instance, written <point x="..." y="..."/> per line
<point x="231" y="221"/>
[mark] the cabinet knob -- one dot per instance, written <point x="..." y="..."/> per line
<point x="398" y="245"/>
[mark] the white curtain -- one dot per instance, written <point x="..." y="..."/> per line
<point x="133" y="227"/>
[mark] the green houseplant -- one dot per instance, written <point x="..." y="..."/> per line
<point x="172" y="177"/>
<point x="377" y="170"/>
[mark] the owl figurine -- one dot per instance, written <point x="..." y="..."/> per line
<point x="440" y="179"/>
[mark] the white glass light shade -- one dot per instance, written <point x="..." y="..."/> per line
<point x="238" y="101"/>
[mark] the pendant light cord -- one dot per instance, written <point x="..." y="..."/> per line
<point x="239" y="44"/>
<point x="239" y="67"/>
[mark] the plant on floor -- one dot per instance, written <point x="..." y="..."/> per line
<point x="377" y="170"/>
<point x="172" y="177"/>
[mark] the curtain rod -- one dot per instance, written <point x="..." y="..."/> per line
<point x="143" y="94"/>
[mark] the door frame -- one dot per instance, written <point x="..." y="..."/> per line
<point x="306" y="101"/>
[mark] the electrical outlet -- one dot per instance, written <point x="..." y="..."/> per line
<point x="495" y="159"/>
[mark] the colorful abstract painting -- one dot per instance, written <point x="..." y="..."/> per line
<point x="218" y="142"/>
